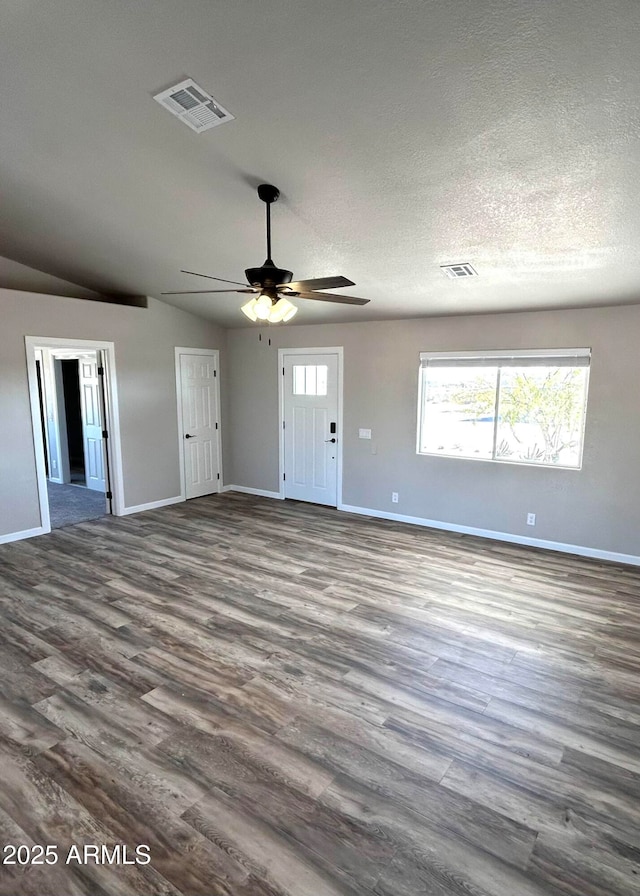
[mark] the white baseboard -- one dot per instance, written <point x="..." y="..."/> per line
<point x="261" y="492"/>
<point x="579" y="550"/>
<point x="594" y="553"/>
<point x="153" y="505"/>
<point x="26" y="533"/>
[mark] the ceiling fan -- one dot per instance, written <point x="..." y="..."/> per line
<point x="271" y="287"/>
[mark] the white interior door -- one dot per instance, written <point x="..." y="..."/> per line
<point x="92" y="424"/>
<point x="198" y="395"/>
<point x="310" y="427"/>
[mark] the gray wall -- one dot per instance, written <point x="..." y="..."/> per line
<point x="145" y="367"/>
<point x="597" y="507"/>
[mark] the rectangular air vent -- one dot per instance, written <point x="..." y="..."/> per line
<point x="193" y="105"/>
<point x="456" y="271"/>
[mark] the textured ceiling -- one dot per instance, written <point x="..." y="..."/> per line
<point x="403" y="134"/>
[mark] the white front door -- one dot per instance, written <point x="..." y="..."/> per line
<point x="199" y="405"/>
<point x="310" y="427"/>
<point x="92" y="424"/>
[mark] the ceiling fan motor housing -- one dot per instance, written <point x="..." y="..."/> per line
<point x="268" y="193"/>
<point x="268" y="276"/>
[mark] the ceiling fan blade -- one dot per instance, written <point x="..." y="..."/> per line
<point x="209" y="277"/>
<point x="318" y="283"/>
<point x="196" y="292"/>
<point x="329" y="297"/>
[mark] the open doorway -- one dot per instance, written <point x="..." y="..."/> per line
<point x="72" y="388"/>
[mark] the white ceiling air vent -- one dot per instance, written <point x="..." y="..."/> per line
<point x="193" y="105"/>
<point x="457" y="271"/>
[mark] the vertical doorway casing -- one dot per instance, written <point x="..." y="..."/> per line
<point x="113" y="447"/>
<point x="39" y="356"/>
<point x="82" y="393"/>
<point x="214" y="355"/>
<point x="324" y="350"/>
<point x="54" y="417"/>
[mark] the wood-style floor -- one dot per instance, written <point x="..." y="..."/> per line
<point x="278" y="698"/>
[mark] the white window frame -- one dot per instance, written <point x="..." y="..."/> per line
<point x="581" y="357"/>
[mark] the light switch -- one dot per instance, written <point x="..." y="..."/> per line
<point x="364" y="433"/>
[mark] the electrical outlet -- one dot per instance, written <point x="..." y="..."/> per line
<point x="531" y="519"/>
<point x="394" y="497"/>
<point x="364" y="433"/>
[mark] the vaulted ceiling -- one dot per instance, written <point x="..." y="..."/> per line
<point x="403" y="135"/>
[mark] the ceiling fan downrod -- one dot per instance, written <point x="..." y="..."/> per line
<point x="268" y="276"/>
<point x="268" y="193"/>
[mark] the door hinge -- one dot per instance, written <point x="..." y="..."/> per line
<point x="218" y="475"/>
<point x="216" y="425"/>
<point x="105" y="434"/>
<point x="283" y="371"/>
<point x="215" y="373"/>
<point x="100" y="371"/>
<point x="284" y="424"/>
<point x="108" y="495"/>
<point x="284" y="476"/>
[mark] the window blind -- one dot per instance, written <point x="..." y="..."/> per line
<point x="568" y="357"/>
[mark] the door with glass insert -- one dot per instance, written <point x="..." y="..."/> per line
<point x="311" y="427"/>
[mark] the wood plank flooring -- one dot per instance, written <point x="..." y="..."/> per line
<point x="283" y="700"/>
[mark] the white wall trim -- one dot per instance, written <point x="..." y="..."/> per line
<point x="153" y="505"/>
<point x="26" y="533"/>
<point x="38" y="446"/>
<point x="215" y="354"/>
<point x="261" y="492"/>
<point x="322" y="350"/>
<point x="113" y="444"/>
<point x="51" y="400"/>
<point x="579" y="550"/>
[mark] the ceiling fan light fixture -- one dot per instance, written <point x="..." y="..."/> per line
<point x="250" y="309"/>
<point x="282" y="311"/>
<point x="263" y="306"/>
<point x="289" y="313"/>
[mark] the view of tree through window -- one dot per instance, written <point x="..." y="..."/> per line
<point x="529" y="411"/>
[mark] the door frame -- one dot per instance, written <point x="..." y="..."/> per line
<point x="215" y="354"/>
<point x="51" y="392"/>
<point x="55" y="401"/>
<point x="39" y="359"/>
<point x="113" y="445"/>
<point x="323" y="350"/>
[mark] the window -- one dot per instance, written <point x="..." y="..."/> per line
<point x="523" y="407"/>
<point x="310" y="379"/>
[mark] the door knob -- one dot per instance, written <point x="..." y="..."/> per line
<point x="330" y="440"/>
<point x="187" y="436"/>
